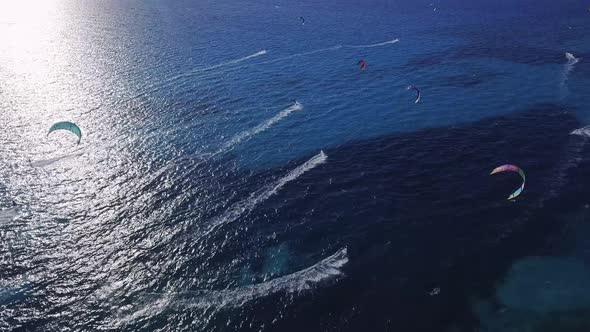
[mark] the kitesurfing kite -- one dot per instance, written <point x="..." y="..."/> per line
<point x="363" y="64"/>
<point x="411" y="87"/>
<point x="69" y="126"/>
<point x="302" y="20"/>
<point x="512" y="168"/>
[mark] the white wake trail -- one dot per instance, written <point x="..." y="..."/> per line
<point x="326" y="270"/>
<point x="48" y="162"/>
<point x="389" y="42"/>
<point x="568" y="67"/>
<point x="247" y="205"/>
<point x="297" y="282"/>
<point x="260" y="128"/>
<point x="157" y="87"/>
<point x="333" y="48"/>
<point x="232" y="62"/>
<point x="297" y="55"/>
<point x="232" y="143"/>
<point x="238" y="209"/>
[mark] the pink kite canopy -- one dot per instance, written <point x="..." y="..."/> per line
<point x="512" y="168"/>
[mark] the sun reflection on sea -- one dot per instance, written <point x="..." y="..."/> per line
<point x="54" y="68"/>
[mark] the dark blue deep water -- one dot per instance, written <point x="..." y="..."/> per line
<point x="237" y="172"/>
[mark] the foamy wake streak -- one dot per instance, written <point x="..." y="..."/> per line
<point x="568" y="67"/>
<point x="48" y="162"/>
<point x="8" y="215"/>
<point x="297" y="282"/>
<point x="239" y="138"/>
<point x="297" y="55"/>
<point x="232" y="62"/>
<point x="585" y="132"/>
<point x="154" y="88"/>
<point x="247" y="205"/>
<point x="260" y="128"/>
<point x="389" y="42"/>
<point x="328" y="269"/>
<point x="238" y="209"/>
<point x="333" y="48"/>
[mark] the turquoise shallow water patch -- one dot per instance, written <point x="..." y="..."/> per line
<point x="547" y="284"/>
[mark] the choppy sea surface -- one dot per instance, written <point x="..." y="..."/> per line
<point x="238" y="172"/>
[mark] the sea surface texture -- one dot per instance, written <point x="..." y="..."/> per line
<point x="238" y="171"/>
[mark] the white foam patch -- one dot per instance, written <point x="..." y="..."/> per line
<point x="297" y="282"/>
<point x="571" y="59"/>
<point x="585" y="132"/>
<point x="260" y="128"/>
<point x="247" y="205"/>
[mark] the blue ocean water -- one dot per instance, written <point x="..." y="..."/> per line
<point x="237" y="171"/>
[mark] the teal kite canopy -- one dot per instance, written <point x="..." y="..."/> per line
<point x="69" y="126"/>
